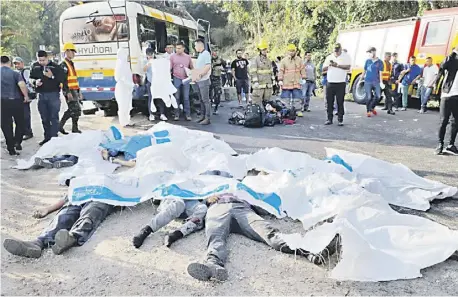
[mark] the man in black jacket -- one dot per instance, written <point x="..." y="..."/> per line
<point x="449" y="102"/>
<point x="48" y="77"/>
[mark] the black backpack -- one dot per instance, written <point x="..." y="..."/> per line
<point x="253" y="116"/>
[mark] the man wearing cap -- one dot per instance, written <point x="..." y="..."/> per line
<point x="25" y="73"/>
<point x="336" y="66"/>
<point x="71" y="90"/>
<point x="372" y="76"/>
<point x="261" y="73"/>
<point x="290" y="75"/>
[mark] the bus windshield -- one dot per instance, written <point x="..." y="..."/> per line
<point x="95" y="29"/>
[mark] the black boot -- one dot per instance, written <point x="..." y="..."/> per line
<point x="172" y="237"/>
<point x="140" y="237"/>
<point x="62" y="124"/>
<point x="63" y="242"/>
<point x="29" y="249"/>
<point x="75" y="126"/>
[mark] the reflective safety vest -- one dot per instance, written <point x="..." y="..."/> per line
<point x="72" y="78"/>
<point x="386" y="73"/>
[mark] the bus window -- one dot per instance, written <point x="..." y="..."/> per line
<point x="152" y="32"/>
<point x="172" y="33"/>
<point x="95" y="29"/>
<point x="161" y="36"/>
<point x="437" y="33"/>
<point x="183" y="35"/>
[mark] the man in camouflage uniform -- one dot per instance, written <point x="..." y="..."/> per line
<point x="71" y="90"/>
<point x="262" y="76"/>
<point x="216" y="87"/>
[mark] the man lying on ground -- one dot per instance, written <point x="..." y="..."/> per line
<point x="227" y="213"/>
<point x="72" y="226"/>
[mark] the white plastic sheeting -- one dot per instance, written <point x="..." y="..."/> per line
<point x="379" y="244"/>
<point x="124" y="86"/>
<point x="162" y="86"/>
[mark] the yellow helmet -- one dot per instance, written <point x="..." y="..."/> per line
<point x="262" y="45"/>
<point x="68" y="46"/>
<point x="291" y="47"/>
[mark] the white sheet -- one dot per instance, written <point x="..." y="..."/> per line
<point x="124" y="86"/>
<point x="162" y="86"/>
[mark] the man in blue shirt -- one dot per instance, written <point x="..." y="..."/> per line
<point x="14" y="94"/>
<point x="201" y="77"/>
<point x="408" y="77"/>
<point x="372" y="76"/>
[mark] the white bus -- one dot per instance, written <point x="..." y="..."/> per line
<point x="98" y="29"/>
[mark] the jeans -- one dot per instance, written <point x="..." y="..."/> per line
<point x="224" y="218"/>
<point x="49" y="106"/>
<point x="425" y="92"/>
<point x="448" y="106"/>
<point x="371" y="102"/>
<point x="182" y="92"/>
<point x="405" y="95"/>
<point x="388" y="96"/>
<point x="295" y="97"/>
<point x="203" y="91"/>
<point x="71" y="158"/>
<point x="173" y="208"/>
<point x="12" y="109"/>
<point x="27" y="120"/>
<point x="335" y="91"/>
<point x="80" y="220"/>
<point x="307" y="90"/>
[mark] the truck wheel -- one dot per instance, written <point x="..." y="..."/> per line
<point x="359" y="95"/>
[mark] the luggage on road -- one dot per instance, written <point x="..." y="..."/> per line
<point x="253" y="116"/>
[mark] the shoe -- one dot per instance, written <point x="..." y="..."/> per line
<point x="151" y="118"/>
<point x="215" y="112"/>
<point x="43" y="142"/>
<point x="205" y="272"/>
<point x="303" y="109"/>
<point x="18" y="147"/>
<point x="205" y="122"/>
<point x="163" y="117"/>
<point x="340" y="124"/>
<point x="63" y="242"/>
<point x="396" y="109"/>
<point x="300" y="114"/>
<point x="328" y="122"/>
<point x="26" y="137"/>
<point x="188" y="118"/>
<point x="439" y="149"/>
<point x="172" y="237"/>
<point x="307" y="109"/>
<point x="176" y="118"/>
<point x="12" y="152"/>
<point x="391" y="112"/>
<point x="451" y="149"/>
<point x="76" y="131"/>
<point x="200" y="120"/>
<point x="28" y="249"/>
<point x="369" y="114"/>
<point x="384" y="108"/>
<point x="61" y="130"/>
<point x="43" y="163"/>
<point x="62" y="164"/>
<point x="140" y="237"/>
<point x="403" y="109"/>
<point x="374" y="112"/>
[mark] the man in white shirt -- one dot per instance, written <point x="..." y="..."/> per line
<point x="430" y="72"/>
<point x="336" y="65"/>
<point x="169" y="51"/>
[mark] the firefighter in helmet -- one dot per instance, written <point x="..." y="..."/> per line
<point x="262" y="76"/>
<point x="71" y="90"/>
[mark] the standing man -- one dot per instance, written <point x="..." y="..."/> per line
<point x="290" y="74"/>
<point x="388" y="83"/>
<point x="372" y="76"/>
<point x="14" y="94"/>
<point x="309" y="86"/>
<point x="71" y="90"/>
<point x="449" y="102"/>
<point x="430" y="72"/>
<point x="240" y="70"/>
<point x="396" y="69"/>
<point x="216" y="89"/>
<point x="178" y="63"/>
<point x="168" y="51"/>
<point x="408" y="77"/>
<point x="201" y="76"/>
<point x="262" y="78"/>
<point x="336" y="66"/>
<point x="48" y="77"/>
<point x="25" y="73"/>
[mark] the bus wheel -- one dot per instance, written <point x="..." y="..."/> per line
<point x="359" y="95"/>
